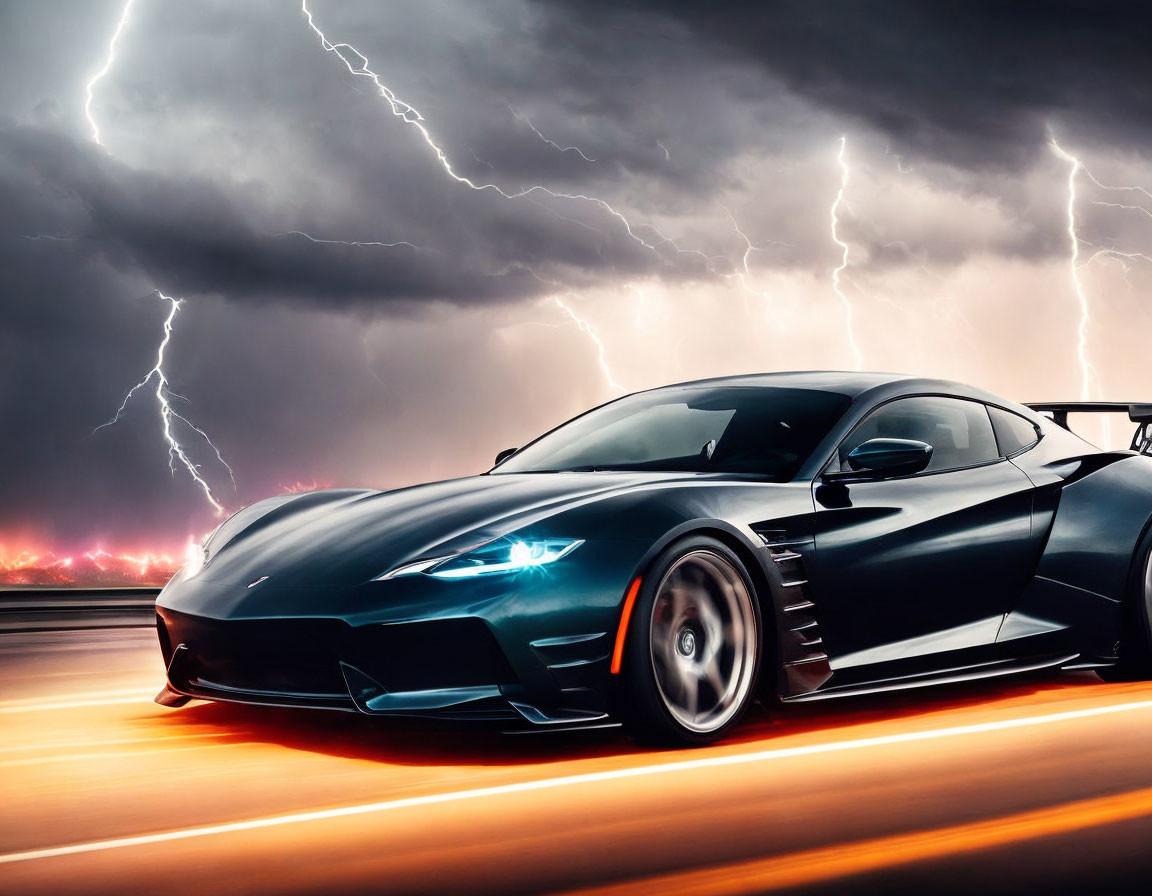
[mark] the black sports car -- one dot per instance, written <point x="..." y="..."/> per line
<point x="661" y="560"/>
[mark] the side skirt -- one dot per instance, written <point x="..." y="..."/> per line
<point x="993" y="669"/>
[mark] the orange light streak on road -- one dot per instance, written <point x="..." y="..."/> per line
<point x="481" y="793"/>
<point x="813" y="866"/>
<point x="294" y="801"/>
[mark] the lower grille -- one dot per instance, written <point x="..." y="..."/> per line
<point x="299" y="659"/>
<point x="292" y="657"/>
<point x="439" y="653"/>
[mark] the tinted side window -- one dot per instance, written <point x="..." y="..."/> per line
<point x="959" y="431"/>
<point x="1013" y="432"/>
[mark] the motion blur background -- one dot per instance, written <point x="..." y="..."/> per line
<point x="225" y="158"/>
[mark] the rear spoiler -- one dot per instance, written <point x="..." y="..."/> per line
<point x="1139" y="413"/>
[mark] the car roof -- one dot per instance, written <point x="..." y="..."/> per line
<point x="846" y="382"/>
<point x="870" y="387"/>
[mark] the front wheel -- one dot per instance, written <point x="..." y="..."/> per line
<point x="693" y="646"/>
<point x="1135" y="656"/>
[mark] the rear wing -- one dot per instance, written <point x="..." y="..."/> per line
<point x="1138" y="413"/>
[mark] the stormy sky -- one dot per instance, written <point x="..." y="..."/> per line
<point x="562" y="201"/>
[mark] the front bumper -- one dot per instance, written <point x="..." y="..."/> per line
<point x="523" y="650"/>
<point x="449" y="668"/>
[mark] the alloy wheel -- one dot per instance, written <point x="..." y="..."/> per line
<point x="703" y="641"/>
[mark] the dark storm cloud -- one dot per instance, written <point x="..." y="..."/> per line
<point x="199" y="89"/>
<point x="963" y="81"/>
<point x="194" y="236"/>
<point x="195" y="90"/>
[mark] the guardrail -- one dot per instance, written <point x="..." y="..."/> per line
<point x="64" y="609"/>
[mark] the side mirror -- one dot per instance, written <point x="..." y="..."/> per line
<point x="878" y="458"/>
<point x="504" y="455"/>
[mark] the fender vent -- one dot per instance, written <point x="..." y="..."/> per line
<point x="802" y="653"/>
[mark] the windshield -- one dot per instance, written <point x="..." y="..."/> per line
<point x="721" y="429"/>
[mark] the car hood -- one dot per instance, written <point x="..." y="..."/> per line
<point x="341" y="538"/>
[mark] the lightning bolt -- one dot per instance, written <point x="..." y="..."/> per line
<point x="582" y="324"/>
<point x="839" y="269"/>
<point x="164" y="394"/>
<point x="524" y="119"/>
<point x="1090" y="386"/>
<point x="901" y="168"/>
<point x="586" y="328"/>
<point x="743" y="274"/>
<point x="1119" y="257"/>
<point x="357" y="65"/>
<point x="357" y="243"/>
<point x="1133" y="208"/>
<point x="169" y="415"/>
<point x="1089" y="380"/>
<point x="109" y="61"/>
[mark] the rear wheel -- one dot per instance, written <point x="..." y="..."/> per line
<point x="693" y="645"/>
<point x="1135" y="651"/>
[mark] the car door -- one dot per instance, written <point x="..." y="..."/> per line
<point x="915" y="565"/>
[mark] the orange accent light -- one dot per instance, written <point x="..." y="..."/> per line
<point x="625" y="615"/>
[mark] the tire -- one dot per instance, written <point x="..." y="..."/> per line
<point x="693" y="646"/>
<point x="1135" y="652"/>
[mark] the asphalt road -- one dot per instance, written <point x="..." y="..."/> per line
<point x="1043" y="784"/>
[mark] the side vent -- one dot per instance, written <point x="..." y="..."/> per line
<point x="805" y="664"/>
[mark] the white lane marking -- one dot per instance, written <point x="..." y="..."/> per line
<point x="76" y="704"/>
<point x="568" y="781"/>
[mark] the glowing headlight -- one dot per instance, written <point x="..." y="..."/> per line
<point x="504" y="555"/>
